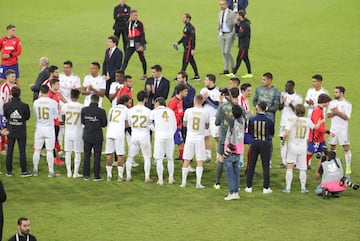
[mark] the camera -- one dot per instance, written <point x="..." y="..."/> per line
<point x="346" y="181"/>
<point x="224" y="91"/>
<point x="230" y="148"/>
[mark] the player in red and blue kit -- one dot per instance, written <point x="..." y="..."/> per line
<point x="10" y="47"/>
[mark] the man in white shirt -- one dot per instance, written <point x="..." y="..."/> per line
<point x="73" y="133"/>
<point x="289" y="99"/>
<point x="211" y="95"/>
<point x="45" y="111"/>
<point x="93" y="84"/>
<point x="68" y="80"/>
<point x="164" y="126"/>
<point x="116" y="86"/>
<point x="139" y="117"/>
<point x="196" y="119"/>
<point x="339" y="110"/>
<point x="312" y="95"/>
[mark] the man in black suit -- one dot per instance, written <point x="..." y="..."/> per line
<point x="156" y="86"/>
<point x="43" y="75"/>
<point x="112" y="62"/>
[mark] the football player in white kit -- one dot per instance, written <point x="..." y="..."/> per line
<point x="339" y="110"/>
<point x="164" y="126"/>
<point x="289" y="99"/>
<point x="45" y="111"/>
<point x="312" y="95"/>
<point x="93" y="84"/>
<point x="140" y="136"/>
<point x="196" y="120"/>
<point x="296" y="133"/>
<point x="73" y="133"/>
<point x="211" y="95"/>
<point x="115" y="136"/>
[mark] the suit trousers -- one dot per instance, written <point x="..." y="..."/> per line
<point x="97" y="158"/>
<point x="226" y="43"/>
<point x="10" y="151"/>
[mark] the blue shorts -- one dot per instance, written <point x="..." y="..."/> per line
<point x="178" y="138"/>
<point x="3" y="124"/>
<point x="4" y="68"/>
<point x="315" y="147"/>
<point x="247" y="139"/>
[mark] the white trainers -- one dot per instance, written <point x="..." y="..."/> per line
<point x="191" y="169"/>
<point x="229" y="197"/>
<point x="69" y="174"/>
<point x="236" y="195"/>
<point x="171" y="181"/>
<point x="248" y="189"/>
<point x="120" y="179"/>
<point x="160" y="182"/>
<point x="77" y="175"/>
<point x="35" y="173"/>
<point x="199" y="186"/>
<point x="183" y="185"/>
<point x="267" y="190"/>
<point x="108" y="178"/>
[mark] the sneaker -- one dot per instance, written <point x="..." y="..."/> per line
<point x="199" y="186"/>
<point x="51" y="174"/>
<point x="9" y="174"/>
<point x="267" y="190"/>
<point x="236" y="195"/>
<point x="86" y="178"/>
<point x="286" y="190"/>
<point x="224" y="72"/>
<point x="217" y="186"/>
<point x="160" y="182"/>
<point x="348" y="171"/>
<point x="148" y="180"/>
<point x="196" y="78"/>
<point x="248" y="189"/>
<point x="97" y="179"/>
<point x="120" y="179"/>
<point x="183" y="185"/>
<point x="58" y="161"/>
<point x="108" y="178"/>
<point x="171" y="181"/>
<point x="134" y="164"/>
<point x="229" y="197"/>
<point x="144" y="77"/>
<point x="77" y="175"/>
<point x="231" y="75"/>
<point x="114" y="164"/>
<point x="26" y="174"/>
<point x="304" y="190"/>
<point x="35" y="173"/>
<point x="191" y="169"/>
<point x="129" y="179"/>
<point x="247" y="76"/>
<point x="69" y="174"/>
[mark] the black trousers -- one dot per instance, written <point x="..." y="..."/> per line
<point x="107" y="89"/>
<point x="128" y="53"/>
<point x="123" y="33"/>
<point x="264" y="149"/>
<point x="10" y="151"/>
<point x="97" y="157"/>
<point x="242" y="55"/>
<point x="189" y="58"/>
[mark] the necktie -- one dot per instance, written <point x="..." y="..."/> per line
<point x="156" y="84"/>
<point x="222" y="20"/>
<point x="110" y="53"/>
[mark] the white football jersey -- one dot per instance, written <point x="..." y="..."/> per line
<point x="112" y="91"/>
<point x="345" y="107"/>
<point x="67" y="83"/>
<point x="313" y="95"/>
<point x="214" y="94"/>
<point x="116" y="122"/>
<point x="139" y="118"/>
<point x="98" y="83"/>
<point x="164" y="122"/>
<point x="299" y="128"/>
<point x="196" y="119"/>
<point x="45" y="111"/>
<point x="73" y="127"/>
<point x="288" y="112"/>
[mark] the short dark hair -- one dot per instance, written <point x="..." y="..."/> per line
<point x="237" y="111"/>
<point x="15" y="91"/>
<point x="94" y="98"/>
<point x="268" y="75"/>
<point x="54" y="81"/>
<point x="291" y="82"/>
<point x="187" y="15"/>
<point x="127" y="77"/>
<point x="244" y="86"/>
<point x="242" y="13"/>
<point x="10" y="26"/>
<point x="123" y="99"/>
<point x="180" y="87"/>
<point x="133" y="11"/>
<point x="236" y="79"/>
<point x="44" y="89"/>
<point x="184" y="75"/>
<point x="234" y="92"/>
<point x="141" y="95"/>
<point x="119" y="71"/>
<point x="53" y="68"/>
<point x="318" y="77"/>
<point x="19" y="221"/>
<point x="300" y="110"/>
<point x="157" y="67"/>
<point x="211" y="77"/>
<point x="74" y="94"/>
<point x="262" y="105"/>
<point x="161" y="101"/>
<point x="68" y="62"/>
<point x="96" y="64"/>
<point x="114" y="39"/>
<point x="341" y="89"/>
<point x="9" y="72"/>
<point x="323" y="98"/>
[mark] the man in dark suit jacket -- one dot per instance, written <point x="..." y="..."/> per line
<point x="156" y="86"/>
<point x="112" y="62"/>
<point x="43" y="75"/>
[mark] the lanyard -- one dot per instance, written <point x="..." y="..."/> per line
<point x="132" y="29"/>
<point x="18" y="239"/>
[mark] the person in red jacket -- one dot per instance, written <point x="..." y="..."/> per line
<point x="10" y="47"/>
<point x="317" y="136"/>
